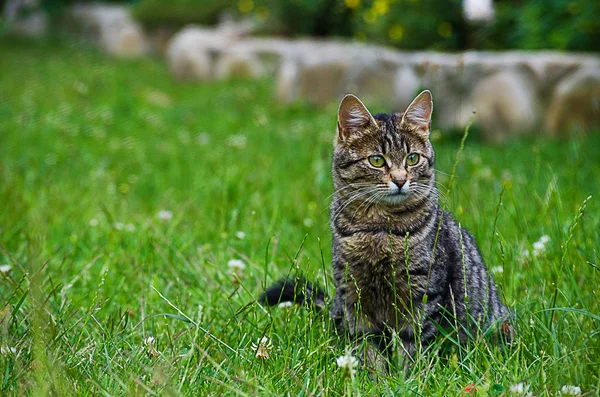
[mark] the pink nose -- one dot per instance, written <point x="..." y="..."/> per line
<point x="399" y="182"/>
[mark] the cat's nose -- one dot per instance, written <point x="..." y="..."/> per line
<point x="399" y="182"/>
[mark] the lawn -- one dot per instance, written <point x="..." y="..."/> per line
<point x="140" y="218"/>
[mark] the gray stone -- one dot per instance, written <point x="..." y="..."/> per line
<point x="575" y="105"/>
<point x="238" y="64"/>
<point x="505" y="104"/>
<point x="112" y="27"/>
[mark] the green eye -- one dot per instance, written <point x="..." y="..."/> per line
<point x="376" y="161"/>
<point x="412" y="159"/>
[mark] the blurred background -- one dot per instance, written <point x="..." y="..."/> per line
<point x="523" y="66"/>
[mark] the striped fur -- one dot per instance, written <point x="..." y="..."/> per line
<point x="400" y="264"/>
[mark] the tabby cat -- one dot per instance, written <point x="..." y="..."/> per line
<point x="402" y="266"/>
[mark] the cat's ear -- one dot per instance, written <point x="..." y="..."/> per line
<point x="353" y="117"/>
<point x="417" y="116"/>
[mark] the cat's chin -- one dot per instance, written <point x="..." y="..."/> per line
<point x="395" y="198"/>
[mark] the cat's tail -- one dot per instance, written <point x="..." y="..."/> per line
<point x="295" y="290"/>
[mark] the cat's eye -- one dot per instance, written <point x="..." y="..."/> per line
<point x="412" y="159"/>
<point x="376" y="161"/>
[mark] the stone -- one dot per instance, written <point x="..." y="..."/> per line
<point x="112" y="28"/>
<point x="322" y="82"/>
<point x="575" y="104"/>
<point x="238" y="64"/>
<point x="406" y="86"/>
<point x="505" y="104"/>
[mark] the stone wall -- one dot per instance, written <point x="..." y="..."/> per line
<point x="511" y="92"/>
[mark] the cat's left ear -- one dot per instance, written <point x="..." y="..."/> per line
<point x="417" y="116"/>
<point x="353" y="118"/>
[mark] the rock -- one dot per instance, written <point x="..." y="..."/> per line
<point x="505" y="104"/>
<point x="112" y="27"/>
<point x="240" y="63"/>
<point x="575" y="105"/>
<point x="34" y="25"/>
<point x="322" y="82"/>
<point x="287" y="81"/>
<point x="406" y="86"/>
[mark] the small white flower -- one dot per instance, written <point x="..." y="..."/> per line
<point x="308" y="222"/>
<point x="94" y="222"/>
<point x="237" y="141"/>
<point x="540" y="246"/>
<point x="497" y="270"/>
<point x="130" y="227"/>
<point x="5" y="268"/>
<point x="285" y="305"/>
<point x="5" y="350"/>
<point x="569" y="390"/>
<point x="164" y="216"/>
<point x="348" y="363"/>
<point x="236" y="264"/>
<point x="150" y="349"/>
<point x="262" y="348"/>
<point x="241" y="235"/>
<point x="519" y="389"/>
<point x="118" y="225"/>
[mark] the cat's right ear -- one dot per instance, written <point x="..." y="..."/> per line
<point x="353" y="118"/>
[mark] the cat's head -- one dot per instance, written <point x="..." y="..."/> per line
<point x="387" y="158"/>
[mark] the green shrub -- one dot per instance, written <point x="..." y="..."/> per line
<point x="178" y="13"/>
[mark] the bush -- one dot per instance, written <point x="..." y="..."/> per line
<point x="178" y="13"/>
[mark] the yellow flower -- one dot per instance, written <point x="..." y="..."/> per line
<point x="370" y="17"/>
<point x="380" y="7"/>
<point x="445" y="29"/>
<point x="245" y="6"/>
<point x="396" y="32"/>
<point x="262" y="13"/>
<point x="352" y="3"/>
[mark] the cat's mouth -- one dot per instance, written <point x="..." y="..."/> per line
<point x="397" y="193"/>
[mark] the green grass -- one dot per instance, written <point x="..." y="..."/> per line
<point x="86" y="140"/>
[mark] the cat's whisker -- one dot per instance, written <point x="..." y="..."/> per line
<point x="350" y="200"/>
<point x="350" y="186"/>
<point x="370" y="200"/>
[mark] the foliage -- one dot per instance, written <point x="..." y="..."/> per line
<point x="537" y="24"/>
<point x="178" y="13"/>
<point x="126" y="196"/>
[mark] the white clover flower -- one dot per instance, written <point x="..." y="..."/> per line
<point x="569" y="390"/>
<point x="5" y="350"/>
<point x="118" y="225"/>
<point x="286" y="305"/>
<point x="348" y="363"/>
<point x="497" y="270"/>
<point x="94" y="222"/>
<point x="5" y="268"/>
<point x="236" y="265"/>
<point x="130" y="227"/>
<point x="237" y="141"/>
<point x="262" y="348"/>
<point x="164" y="216"/>
<point x="519" y="389"/>
<point x="150" y="349"/>
<point x="540" y="246"/>
<point x="241" y="235"/>
<point x="308" y="222"/>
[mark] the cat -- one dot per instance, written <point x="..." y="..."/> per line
<point x="401" y="264"/>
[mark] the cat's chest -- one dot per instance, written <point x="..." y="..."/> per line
<point x="379" y="249"/>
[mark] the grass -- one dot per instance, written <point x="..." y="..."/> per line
<point x="91" y="149"/>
